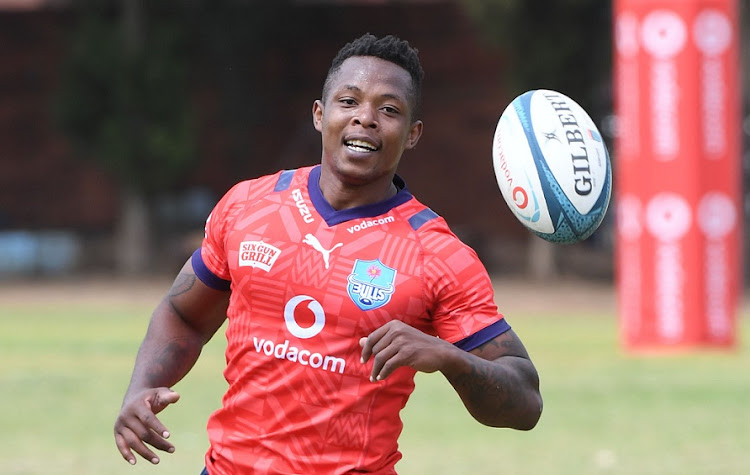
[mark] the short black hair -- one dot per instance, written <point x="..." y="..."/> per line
<point x="389" y="48"/>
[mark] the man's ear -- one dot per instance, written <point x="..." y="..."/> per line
<point x="317" y="115"/>
<point x="414" y="133"/>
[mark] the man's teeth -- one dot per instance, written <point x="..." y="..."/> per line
<point x="361" y="146"/>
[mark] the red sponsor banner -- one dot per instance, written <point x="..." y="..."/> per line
<point x="677" y="172"/>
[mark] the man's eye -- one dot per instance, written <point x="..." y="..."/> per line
<point x="390" y="110"/>
<point x="349" y="102"/>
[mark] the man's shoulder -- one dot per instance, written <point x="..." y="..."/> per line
<point x="281" y="178"/>
<point x="253" y="188"/>
<point x="433" y="232"/>
<point x="422" y="218"/>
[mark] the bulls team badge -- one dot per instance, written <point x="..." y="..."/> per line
<point x="371" y="284"/>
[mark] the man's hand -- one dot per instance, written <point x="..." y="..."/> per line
<point x="137" y="424"/>
<point x="397" y="344"/>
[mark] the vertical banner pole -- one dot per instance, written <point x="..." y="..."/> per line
<point x="677" y="173"/>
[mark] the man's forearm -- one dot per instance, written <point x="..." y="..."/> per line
<point x="168" y="351"/>
<point x="500" y="393"/>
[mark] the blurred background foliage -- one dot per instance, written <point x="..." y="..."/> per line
<point x="124" y="98"/>
<point x="127" y="91"/>
<point x="166" y="101"/>
<point x="563" y="45"/>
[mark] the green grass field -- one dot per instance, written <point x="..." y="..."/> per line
<point x="65" y="362"/>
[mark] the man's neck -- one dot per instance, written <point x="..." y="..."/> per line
<point x="341" y="195"/>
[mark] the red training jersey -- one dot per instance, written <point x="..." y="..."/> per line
<point x="307" y="283"/>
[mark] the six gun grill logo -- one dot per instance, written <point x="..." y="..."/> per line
<point x="370" y="285"/>
<point x="258" y="254"/>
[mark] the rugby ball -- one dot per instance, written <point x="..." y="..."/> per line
<point x="552" y="166"/>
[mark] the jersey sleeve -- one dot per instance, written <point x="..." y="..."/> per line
<point x="211" y="264"/>
<point x="464" y="311"/>
<point x="210" y="261"/>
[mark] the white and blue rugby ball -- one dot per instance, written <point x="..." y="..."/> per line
<point x="552" y="166"/>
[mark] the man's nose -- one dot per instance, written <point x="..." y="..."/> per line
<point x="366" y="116"/>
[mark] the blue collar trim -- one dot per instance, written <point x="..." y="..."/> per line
<point x="333" y="216"/>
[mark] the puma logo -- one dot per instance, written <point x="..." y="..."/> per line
<point x="313" y="241"/>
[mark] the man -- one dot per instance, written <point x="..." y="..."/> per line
<point x="338" y="286"/>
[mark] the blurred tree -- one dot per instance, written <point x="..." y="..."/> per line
<point x="125" y="98"/>
<point x="563" y="46"/>
<point x="124" y="103"/>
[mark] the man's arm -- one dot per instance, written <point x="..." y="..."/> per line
<point x="497" y="381"/>
<point x="185" y="319"/>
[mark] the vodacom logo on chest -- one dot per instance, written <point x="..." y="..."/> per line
<point x="291" y="323"/>
<point x="285" y="351"/>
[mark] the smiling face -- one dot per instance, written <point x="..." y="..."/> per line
<point x="366" y="124"/>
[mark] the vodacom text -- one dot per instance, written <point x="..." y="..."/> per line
<point x="285" y="351"/>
